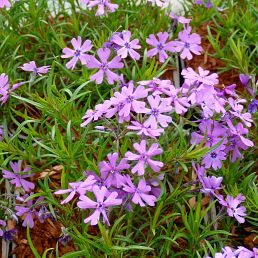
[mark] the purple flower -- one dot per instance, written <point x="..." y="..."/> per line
<point x="5" y="3"/>
<point x="187" y="43"/>
<point x="104" y="6"/>
<point x="245" y="78"/>
<point x="213" y="159"/>
<point x="212" y="130"/>
<point x="104" y="66"/>
<point x="1" y="133"/>
<point x="156" y="86"/>
<point x="203" y="77"/>
<point x="209" y="4"/>
<point x="127" y="46"/>
<point x="145" y="131"/>
<point x="243" y="252"/>
<point x="160" y="46"/>
<point x="79" y="188"/>
<point x="199" y="2"/>
<point x="4" y="87"/>
<point x="232" y="204"/>
<point x="140" y="194"/>
<point x="28" y="211"/>
<point x="18" y="177"/>
<point x="210" y="184"/>
<point x="253" y="106"/>
<point x="32" y="67"/>
<point x="158" y="106"/>
<point x="104" y="199"/>
<point x="2" y="223"/>
<point x="178" y="19"/>
<point x="110" y="171"/>
<point x="144" y="157"/>
<point x="129" y="98"/>
<point x="237" y="109"/>
<point x="78" y="53"/>
<point x="228" y="90"/>
<point x="111" y="42"/>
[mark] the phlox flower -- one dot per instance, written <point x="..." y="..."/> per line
<point x="126" y="46"/>
<point x="79" y="188"/>
<point x="210" y="184"/>
<point x="141" y="194"/>
<point x="5" y="3"/>
<point x="104" y="200"/>
<point x="28" y="211"/>
<point x="178" y="19"/>
<point x="144" y="157"/>
<point x="3" y="224"/>
<point x="145" y="131"/>
<point x="156" y="86"/>
<point x="243" y="252"/>
<point x="213" y="159"/>
<point x="160" y="46"/>
<point x="18" y="176"/>
<point x="245" y="78"/>
<point x="202" y="77"/>
<point x="236" y="110"/>
<point x="78" y="53"/>
<point x="104" y="66"/>
<point x="4" y="87"/>
<point x="104" y="6"/>
<point x="1" y="133"/>
<point x="212" y="104"/>
<point x="232" y="205"/>
<point x="253" y="106"/>
<point x="226" y="90"/>
<point x="187" y="43"/>
<point x="213" y="131"/>
<point x="32" y="67"/>
<point x="110" y="171"/>
<point x="129" y="97"/>
<point x="158" y="106"/>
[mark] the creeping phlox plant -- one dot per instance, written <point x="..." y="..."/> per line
<point x="137" y="116"/>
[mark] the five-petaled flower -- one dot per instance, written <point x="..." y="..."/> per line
<point x="104" y="199"/>
<point x="78" y="53"/>
<point x="32" y="67"/>
<point x="104" y="66"/>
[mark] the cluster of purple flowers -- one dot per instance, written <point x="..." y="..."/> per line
<point x="240" y="252"/>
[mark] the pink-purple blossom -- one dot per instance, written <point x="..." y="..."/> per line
<point x="18" y="175"/>
<point x="111" y="171"/>
<point x="2" y="224"/>
<point x="104" y="200"/>
<point x="127" y="45"/>
<point x="144" y="156"/>
<point x="213" y="159"/>
<point x="103" y="6"/>
<point x="32" y="67"/>
<point x="5" y="3"/>
<point x="104" y="66"/>
<point x="78" y="53"/>
<point x="141" y="194"/>
<point x="160" y="46"/>
<point x="187" y="44"/>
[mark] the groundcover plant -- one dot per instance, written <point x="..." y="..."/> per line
<point x="116" y="141"/>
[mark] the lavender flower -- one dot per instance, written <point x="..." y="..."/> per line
<point x="213" y="159"/>
<point x="4" y="87"/>
<point x="129" y="97"/>
<point x="79" y="188"/>
<point x="32" y="67"/>
<point x="144" y="157"/>
<point x="160" y="3"/>
<point x="2" y="223"/>
<point x="104" y="66"/>
<point x="210" y="184"/>
<point x="158" y="107"/>
<point x="243" y="252"/>
<point x="104" y="6"/>
<point x="253" y="106"/>
<point x="140" y="194"/>
<point x="178" y="19"/>
<point x="110" y="171"/>
<point x="28" y="211"/>
<point x="245" y="78"/>
<point x="78" y="53"/>
<point x="1" y="133"/>
<point x="232" y="204"/>
<point x="160" y="46"/>
<point x="187" y="43"/>
<point x="145" y="131"/>
<point x="156" y="86"/>
<point x="18" y="176"/>
<point x="5" y="3"/>
<point x="127" y="46"/>
<point x="104" y="199"/>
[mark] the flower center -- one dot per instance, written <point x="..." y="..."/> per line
<point x="155" y="112"/>
<point x="127" y="45"/>
<point x="104" y="66"/>
<point x="35" y="71"/>
<point x="77" y="52"/>
<point x="160" y="46"/>
<point x="144" y="157"/>
<point x="187" y="45"/>
<point x="99" y="205"/>
<point x="213" y="155"/>
<point x="129" y="99"/>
